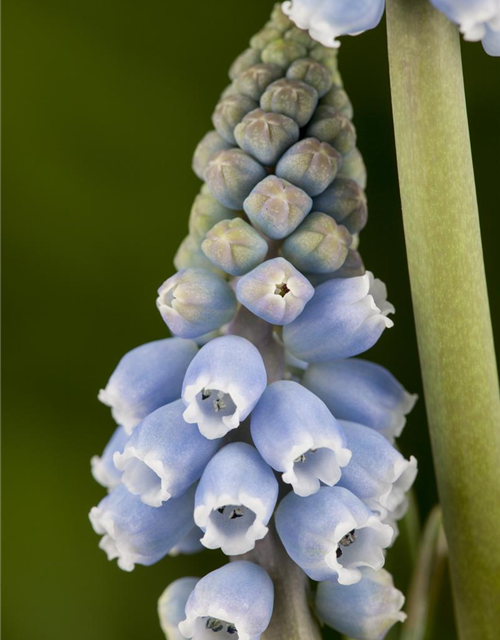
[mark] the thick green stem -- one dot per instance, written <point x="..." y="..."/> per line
<point x="450" y="301"/>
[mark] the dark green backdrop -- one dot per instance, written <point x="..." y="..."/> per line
<point x="104" y="104"/>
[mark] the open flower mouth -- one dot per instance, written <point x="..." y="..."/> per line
<point x="281" y="289"/>
<point x="359" y="545"/>
<point x="208" y="628"/>
<point x="234" y="528"/>
<point x="311" y="468"/>
<point x="215" y="401"/>
<point x="142" y="480"/>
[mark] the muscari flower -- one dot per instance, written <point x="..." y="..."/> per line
<point x="297" y="435"/>
<point x="345" y="318"/>
<point x="331" y="533"/>
<point x="172" y="606"/>
<point x="135" y="533"/>
<point x="222" y="385"/>
<point x="275" y="291"/>
<point x="233" y="601"/>
<point x="327" y="20"/>
<point x="377" y="473"/>
<point x="102" y="467"/>
<point x="146" y="378"/>
<point x="194" y="302"/>
<point x="366" y="610"/>
<point x="235" y="499"/>
<point x="361" y="391"/>
<point x="164" y="456"/>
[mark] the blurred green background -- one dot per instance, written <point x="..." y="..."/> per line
<point x="104" y="104"/>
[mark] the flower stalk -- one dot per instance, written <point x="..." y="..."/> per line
<point x="450" y="300"/>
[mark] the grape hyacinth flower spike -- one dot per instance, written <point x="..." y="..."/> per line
<point x="235" y="600"/>
<point x="222" y="385"/>
<point x="256" y="407"/>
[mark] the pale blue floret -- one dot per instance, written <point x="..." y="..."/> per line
<point x="477" y="20"/>
<point x="146" y="378"/>
<point x="366" y="610"/>
<point x="222" y="385"/>
<point x="275" y="291"/>
<point x="331" y="533"/>
<point x="377" y="473"/>
<point x="236" y="601"/>
<point x="164" y="456"/>
<point x="103" y="467"/>
<point x="235" y="499"/>
<point x="363" y="392"/>
<point x="172" y="606"/>
<point x="297" y="435"/>
<point x="327" y="20"/>
<point x="345" y="318"/>
<point x="190" y="544"/>
<point x="136" y="533"/>
<point x="194" y="302"/>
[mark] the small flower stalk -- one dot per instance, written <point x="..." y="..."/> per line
<point x="255" y="424"/>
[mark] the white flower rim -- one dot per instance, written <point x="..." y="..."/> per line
<point x="155" y="496"/>
<point x="383" y="535"/>
<point x="215" y="539"/>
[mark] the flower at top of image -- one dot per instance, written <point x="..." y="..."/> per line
<point x="327" y="20"/>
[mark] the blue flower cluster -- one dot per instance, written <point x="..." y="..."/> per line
<point x="256" y="411"/>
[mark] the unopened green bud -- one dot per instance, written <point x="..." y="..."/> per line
<point x="277" y="207"/>
<point x="310" y="164"/>
<point x="253" y="81"/>
<point x="235" y="246"/>
<point x="279" y="19"/>
<point x="230" y="90"/>
<point x="353" y="167"/>
<point x="312" y="72"/>
<point x="329" y="125"/>
<point x="352" y="267"/>
<point x="319" y="245"/>
<point x="231" y="175"/>
<point x="266" y="135"/>
<point x="283" y="52"/>
<point x="339" y="100"/>
<point x="208" y="145"/>
<point x="189" y="255"/>
<point x="243" y="61"/>
<point x="300" y="36"/>
<point x="292" y="98"/>
<point x="206" y="212"/>
<point x="265" y="36"/>
<point x="345" y="201"/>
<point x="229" y="112"/>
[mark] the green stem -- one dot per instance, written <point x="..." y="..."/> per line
<point x="450" y="301"/>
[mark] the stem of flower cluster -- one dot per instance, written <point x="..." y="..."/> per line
<point x="292" y="616"/>
<point x="450" y="301"/>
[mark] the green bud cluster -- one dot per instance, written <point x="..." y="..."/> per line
<point x="283" y="175"/>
